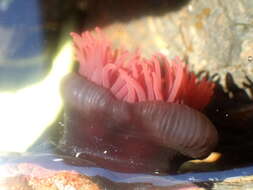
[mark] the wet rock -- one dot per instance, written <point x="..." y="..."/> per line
<point x="216" y="36"/>
<point x="29" y="176"/>
<point x="238" y="183"/>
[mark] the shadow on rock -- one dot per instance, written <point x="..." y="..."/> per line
<point x="231" y="111"/>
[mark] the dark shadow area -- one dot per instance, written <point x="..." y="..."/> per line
<point x="232" y="113"/>
<point x="205" y="185"/>
<point x="56" y="15"/>
<point x="91" y="13"/>
<point x="101" y="13"/>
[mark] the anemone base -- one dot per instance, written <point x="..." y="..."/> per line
<point x="117" y="148"/>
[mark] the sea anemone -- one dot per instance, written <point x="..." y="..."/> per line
<point x="133" y="114"/>
<point x="132" y="78"/>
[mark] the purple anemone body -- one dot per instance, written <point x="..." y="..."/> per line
<point x="131" y="114"/>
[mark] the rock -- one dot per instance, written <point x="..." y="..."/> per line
<point x="216" y="36"/>
<point x="237" y="183"/>
<point x="26" y="176"/>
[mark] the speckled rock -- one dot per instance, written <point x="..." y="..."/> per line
<point x="27" y="176"/>
<point x="216" y="36"/>
<point x="33" y="177"/>
<point x="238" y="183"/>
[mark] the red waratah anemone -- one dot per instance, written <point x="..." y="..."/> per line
<point x="132" y="114"/>
<point x="132" y="78"/>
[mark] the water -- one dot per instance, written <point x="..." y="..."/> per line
<point x="30" y="33"/>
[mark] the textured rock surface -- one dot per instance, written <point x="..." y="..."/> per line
<point x="26" y="176"/>
<point x="33" y="177"/>
<point x="238" y="183"/>
<point x="213" y="35"/>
